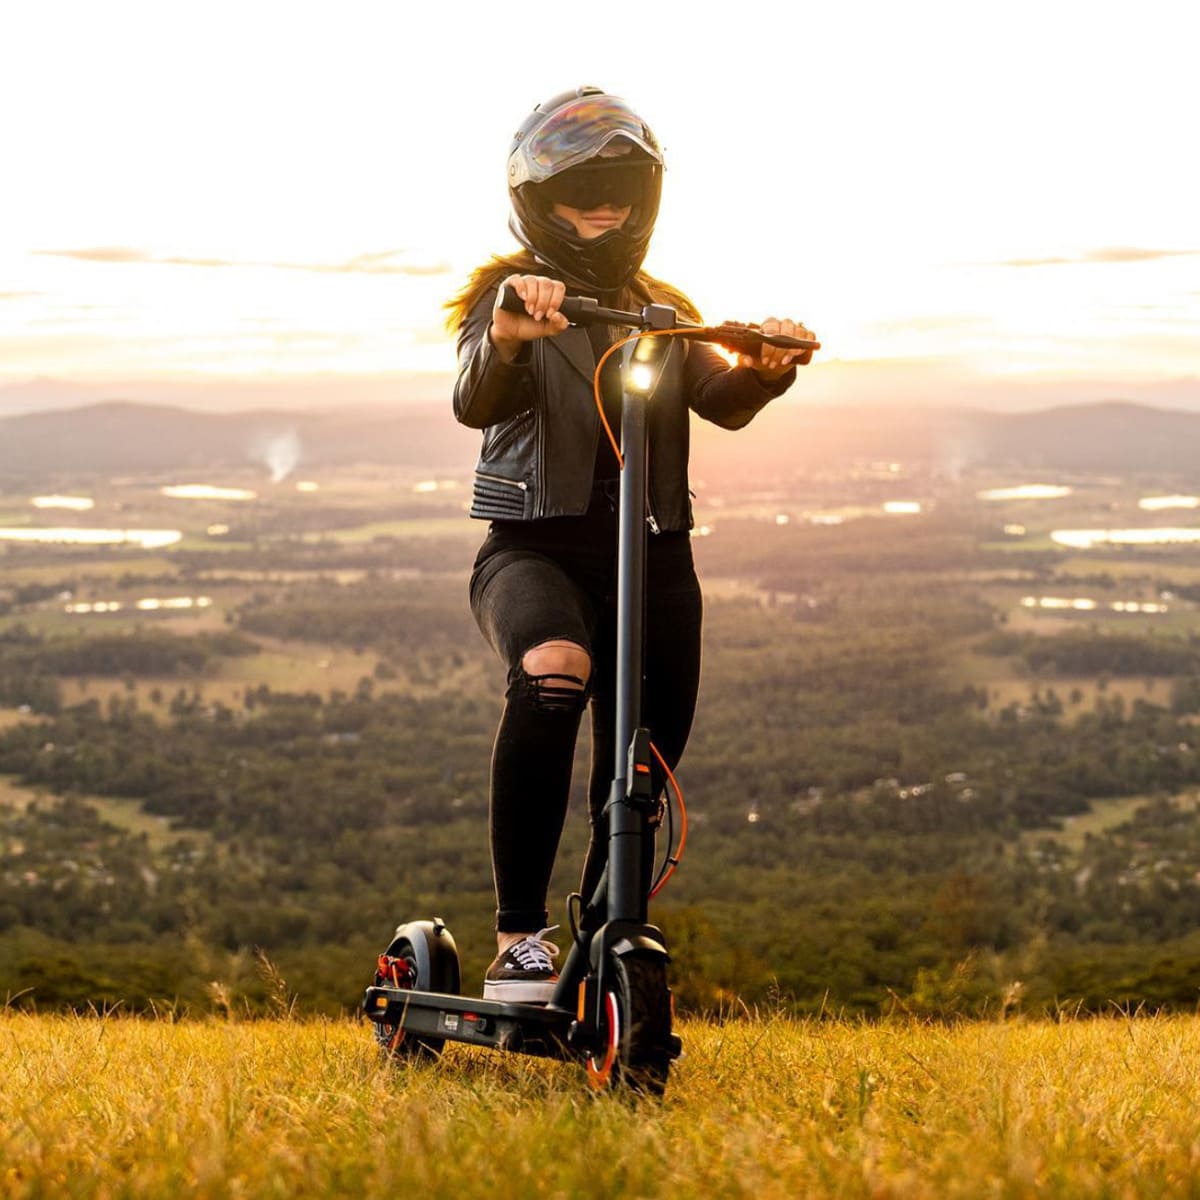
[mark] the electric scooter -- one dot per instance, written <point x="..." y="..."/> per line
<point x="612" y="1007"/>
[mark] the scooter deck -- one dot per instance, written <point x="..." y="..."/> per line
<point x="525" y="1028"/>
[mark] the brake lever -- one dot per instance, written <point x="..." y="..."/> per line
<point x="749" y="339"/>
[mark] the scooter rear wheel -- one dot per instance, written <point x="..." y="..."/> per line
<point x="635" y="1027"/>
<point x="421" y="957"/>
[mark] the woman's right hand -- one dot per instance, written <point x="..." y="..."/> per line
<point x="540" y="319"/>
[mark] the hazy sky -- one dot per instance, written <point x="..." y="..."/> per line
<point x="267" y="190"/>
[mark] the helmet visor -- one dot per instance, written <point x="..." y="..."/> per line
<point x="589" y="186"/>
<point x="585" y="128"/>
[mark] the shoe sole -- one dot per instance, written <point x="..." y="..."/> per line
<point x="519" y="992"/>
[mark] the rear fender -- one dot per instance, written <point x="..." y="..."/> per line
<point x="435" y="952"/>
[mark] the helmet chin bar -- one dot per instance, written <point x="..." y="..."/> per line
<point x="605" y="263"/>
<point x="583" y="264"/>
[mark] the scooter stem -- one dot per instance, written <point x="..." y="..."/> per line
<point x="626" y="825"/>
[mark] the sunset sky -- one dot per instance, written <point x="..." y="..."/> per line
<point x="999" y="196"/>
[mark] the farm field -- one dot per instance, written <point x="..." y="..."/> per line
<point x="1104" y="815"/>
<point x="761" y="1106"/>
<point x="124" y="814"/>
<point x="307" y="666"/>
<point x="1006" y="684"/>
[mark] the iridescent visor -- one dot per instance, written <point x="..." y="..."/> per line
<point x="579" y="131"/>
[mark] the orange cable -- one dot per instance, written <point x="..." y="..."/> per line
<point x="633" y="337"/>
<point x="673" y="860"/>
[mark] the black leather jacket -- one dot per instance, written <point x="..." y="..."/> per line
<point x="540" y="423"/>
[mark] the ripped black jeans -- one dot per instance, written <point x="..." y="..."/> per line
<point x="556" y="580"/>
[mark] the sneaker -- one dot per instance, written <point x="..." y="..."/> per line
<point x="524" y="973"/>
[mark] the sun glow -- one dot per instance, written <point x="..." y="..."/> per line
<point x="928" y="263"/>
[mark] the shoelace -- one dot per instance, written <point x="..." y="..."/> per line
<point x="534" y="953"/>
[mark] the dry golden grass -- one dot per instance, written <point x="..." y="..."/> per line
<point x="10" y="717"/>
<point x="12" y="795"/>
<point x="764" y="1108"/>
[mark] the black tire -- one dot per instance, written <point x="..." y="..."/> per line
<point x="637" y="1043"/>
<point x="404" y="971"/>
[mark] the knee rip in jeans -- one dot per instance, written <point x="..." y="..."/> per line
<point x="549" y="696"/>
<point x="552" y="692"/>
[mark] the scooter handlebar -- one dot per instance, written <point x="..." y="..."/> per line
<point x="744" y="339"/>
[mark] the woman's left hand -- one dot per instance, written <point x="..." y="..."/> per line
<point x="773" y="362"/>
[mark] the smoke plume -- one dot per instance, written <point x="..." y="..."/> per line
<point x="279" y="451"/>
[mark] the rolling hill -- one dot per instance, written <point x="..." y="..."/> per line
<point x="788" y="437"/>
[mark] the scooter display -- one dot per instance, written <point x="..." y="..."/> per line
<point x="612" y="1006"/>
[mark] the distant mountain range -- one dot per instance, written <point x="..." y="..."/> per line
<point x="886" y="383"/>
<point x="120" y="436"/>
<point x="316" y="393"/>
<point x="1111" y="437"/>
<point x="785" y="438"/>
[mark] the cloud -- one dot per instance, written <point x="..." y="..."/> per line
<point x="1105" y="254"/>
<point x="112" y="254"/>
<point x="382" y="262"/>
<point x="18" y="295"/>
<point x="930" y="323"/>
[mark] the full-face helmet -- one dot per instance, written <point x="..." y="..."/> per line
<point x="585" y="148"/>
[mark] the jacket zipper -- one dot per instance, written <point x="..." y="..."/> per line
<point x="518" y="422"/>
<point x="539" y="432"/>
<point x="651" y="520"/>
<point x="517" y="483"/>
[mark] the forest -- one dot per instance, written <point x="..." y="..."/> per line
<point x="906" y="789"/>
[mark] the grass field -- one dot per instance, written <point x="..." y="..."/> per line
<point x="1007" y="684"/>
<point x="1103" y="815"/>
<point x="131" y="817"/>
<point x="282" y="666"/>
<point x="11" y="716"/>
<point x="416" y="527"/>
<point x="13" y="795"/>
<point x="123" y="813"/>
<point x="93" y="565"/>
<point x="1004" y="691"/>
<point x="759" y="1108"/>
<point x="1126" y="568"/>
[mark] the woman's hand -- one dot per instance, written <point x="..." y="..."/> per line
<point x="541" y="318"/>
<point x="773" y="362"/>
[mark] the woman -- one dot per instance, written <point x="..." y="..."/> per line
<point x="584" y="175"/>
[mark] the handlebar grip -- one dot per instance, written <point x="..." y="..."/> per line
<point x="509" y="300"/>
<point x="749" y="339"/>
<point x="575" y="308"/>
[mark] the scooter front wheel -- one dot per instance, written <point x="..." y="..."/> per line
<point x="634" y="1027"/>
